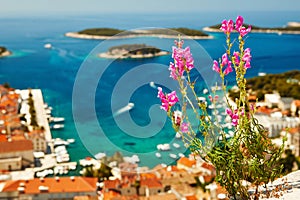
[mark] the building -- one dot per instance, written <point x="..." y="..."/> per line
<point x="16" y="154"/>
<point x="38" y="139"/>
<point x="58" y="188"/>
<point x="272" y="100"/>
<point x="285" y="103"/>
<point x="295" y="108"/>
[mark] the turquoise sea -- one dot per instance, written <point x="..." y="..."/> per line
<point x="87" y="91"/>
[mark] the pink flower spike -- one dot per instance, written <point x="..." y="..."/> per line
<point x="229" y="112"/>
<point x="224" y="60"/>
<point x="227" y="26"/>
<point x="236" y="58"/>
<point x="243" y="31"/>
<point x="210" y="98"/>
<point x="228" y="69"/>
<point x="247" y="55"/>
<point x="184" y="127"/>
<point x="247" y="65"/>
<point x="216" y="66"/>
<point x="172" y="98"/>
<point x="239" y="23"/>
<point x="160" y="94"/>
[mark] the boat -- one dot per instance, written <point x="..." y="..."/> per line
<point x="57" y="126"/>
<point x="163" y="147"/>
<point x="48" y="46"/>
<point x="100" y="155"/>
<point x="172" y="155"/>
<point x="71" y="140"/>
<point x="181" y="155"/>
<point x="158" y="155"/>
<point x="56" y="119"/>
<point x="178" y="135"/>
<point x="176" y="145"/>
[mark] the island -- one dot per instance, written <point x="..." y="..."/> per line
<point x="4" y="52"/>
<point x="107" y="33"/>
<point x="290" y="28"/>
<point x="132" y="51"/>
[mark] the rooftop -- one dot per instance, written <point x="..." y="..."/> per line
<point x="53" y="185"/>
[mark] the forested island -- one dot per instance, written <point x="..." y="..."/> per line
<point x="4" y="52"/>
<point x="287" y="84"/>
<point x="132" y="51"/>
<point x="105" y="33"/>
<point x="291" y="28"/>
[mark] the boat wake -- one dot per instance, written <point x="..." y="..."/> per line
<point x="126" y="108"/>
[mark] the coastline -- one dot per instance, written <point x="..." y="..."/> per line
<point x="208" y="29"/>
<point x="5" y="53"/>
<point x="122" y="56"/>
<point x="98" y="37"/>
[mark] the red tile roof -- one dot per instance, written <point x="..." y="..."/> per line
<point x="186" y="162"/>
<point x="151" y="183"/>
<point x="208" y="166"/>
<point x="64" y="184"/>
<point x="16" y="146"/>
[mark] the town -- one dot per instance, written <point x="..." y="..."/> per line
<point x="35" y="166"/>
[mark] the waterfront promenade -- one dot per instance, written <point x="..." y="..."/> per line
<point x="41" y="115"/>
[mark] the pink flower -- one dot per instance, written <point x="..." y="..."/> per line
<point x="184" y="127"/>
<point x="247" y="55"/>
<point x="243" y="31"/>
<point x="172" y="71"/>
<point x="239" y="23"/>
<point x="172" y="98"/>
<point x="228" y="68"/>
<point x="167" y="100"/>
<point x="213" y="99"/>
<point x="234" y="116"/>
<point x="224" y="59"/>
<point x="227" y="26"/>
<point x="216" y="66"/>
<point x="183" y="61"/>
<point x="247" y="65"/>
<point x="236" y="58"/>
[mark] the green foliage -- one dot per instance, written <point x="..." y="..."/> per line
<point x="104" y="172"/>
<point x="171" y="31"/>
<point x="101" y="31"/>
<point x="136" y="49"/>
<point x="287" y="84"/>
<point x="2" y="50"/>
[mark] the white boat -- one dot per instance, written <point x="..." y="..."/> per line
<point x="176" y="145"/>
<point x="172" y="155"/>
<point x="181" y="155"/>
<point x="56" y="119"/>
<point x="178" y="135"/>
<point x="57" y="126"/>
<point x="71" y="140"/>
<point x="48" y="46"/>
<point x="100" y="155"/>
<point x="163" y="147"/>
<point x="158" y="155"/>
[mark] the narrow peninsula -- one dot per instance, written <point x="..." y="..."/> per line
<point x="107" y="33"/>
<point x="4" y="52"/>
<point x="290" y="28"/>
<point x="132" y="51"/>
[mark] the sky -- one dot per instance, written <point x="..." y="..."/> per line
<point x="39" y="7"/>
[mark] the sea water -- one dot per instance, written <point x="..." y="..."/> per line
<point x="56" y="70"/>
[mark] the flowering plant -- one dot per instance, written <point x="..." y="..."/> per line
<point x="245" y="158"/>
